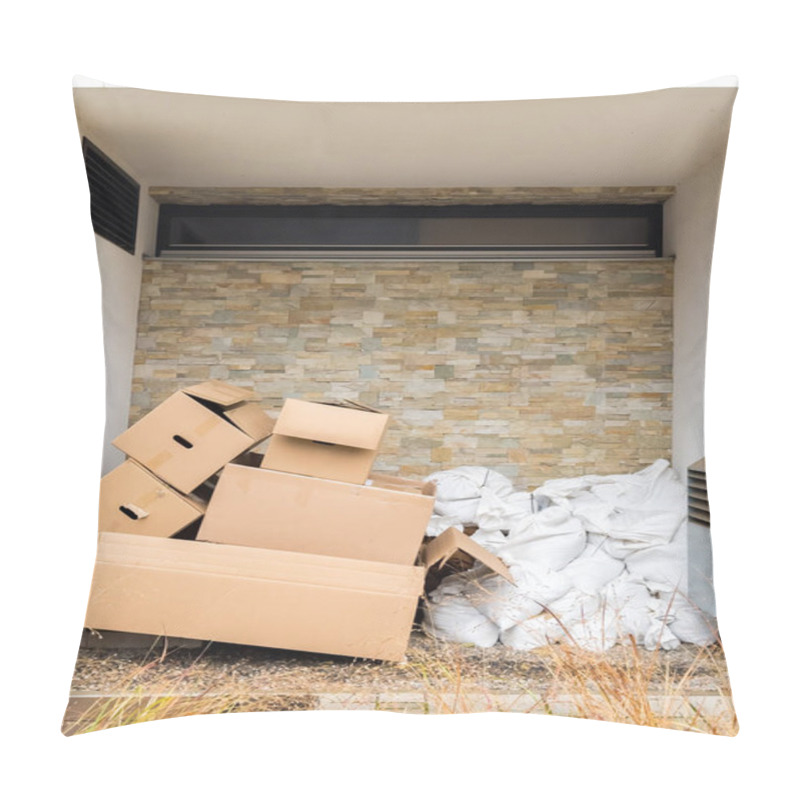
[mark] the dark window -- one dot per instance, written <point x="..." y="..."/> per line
<point x="114" y="197"/>
<point x="614" y="230"/>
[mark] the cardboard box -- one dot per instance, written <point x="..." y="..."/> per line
<point x="324" y="440"/>
<point x="195" y="432"/>
<point x="132" y="500"/>
<point x="250" y="596"/>
<point x="281" y="511"/>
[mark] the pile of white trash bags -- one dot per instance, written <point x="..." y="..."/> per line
<point x="596" y="560"/>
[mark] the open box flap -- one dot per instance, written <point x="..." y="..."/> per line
<point x="449" y="542"/>
<point x="250" y="419"/>
<point x="219" y="393"/>
<point x="196" y="503"/>
<point x="332" y="424"/>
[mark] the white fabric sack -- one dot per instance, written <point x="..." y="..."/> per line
<point x="452" y="618"/>
<point x="596" y="633"/>
<point x="642" y="509"/>
<point x="507" y="604"/>
<point x="438" y="524"/>
<point x="500" y="513"/>
<point x="629" y="603"/>
<point x="549" y="539"/>
<point x="502" y="602"/>
<point x="532" y="633"/>
<point x="583" y="621"/>
<point x="689" y="623"/>
<point x="662" y="567"/>
<point x="459" y="491"/>
<point x="660" y="636"/>
<point x="593" y="569"/>
<point x="490" y="540"/>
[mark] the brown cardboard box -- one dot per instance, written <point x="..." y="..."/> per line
<point x="246" y="595"/>
<point x="132" y="500"/>
<point x="281" y="511"/>
<point x="195" y="432"/>
<point x="324" y="440"/>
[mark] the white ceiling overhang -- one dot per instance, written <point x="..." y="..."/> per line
<point x="173" y="139"/>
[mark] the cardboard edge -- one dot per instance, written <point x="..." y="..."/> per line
<point x="251" y="420"/>
<point x="220" y="393"/>
<point x="196" y="503"/>
<point x="451" y="541"/>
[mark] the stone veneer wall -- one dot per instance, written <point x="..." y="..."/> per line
<point x="540" y="369"/>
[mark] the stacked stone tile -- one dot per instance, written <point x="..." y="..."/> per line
<point x="539" y="369"/>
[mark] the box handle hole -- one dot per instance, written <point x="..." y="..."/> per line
<point x="183" y="442"/>
<point x="128" y="512"/>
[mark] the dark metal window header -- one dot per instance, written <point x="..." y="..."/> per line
<point x="114" y="198"/>
<point x="634" y="230"/>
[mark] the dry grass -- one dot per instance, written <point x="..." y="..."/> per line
<point x="641" y="689"/>
<point x="625" y="685"/>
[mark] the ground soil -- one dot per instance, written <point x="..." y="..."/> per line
<point x="255" y="670"/>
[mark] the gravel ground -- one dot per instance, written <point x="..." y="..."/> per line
<point x="429" y="664"/>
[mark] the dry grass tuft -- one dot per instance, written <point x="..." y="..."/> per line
<point x="640" y="689"/>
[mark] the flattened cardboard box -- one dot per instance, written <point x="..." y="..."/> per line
<point x="280" y="511"/>
<point x="325" y="441"/>
<point x="195" y="432"/>
<point x="132" y="500"/>
<point x="246" y="595"/>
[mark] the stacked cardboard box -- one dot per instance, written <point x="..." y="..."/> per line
<point x="172" y="451"/>
<point x="306" y="550"/>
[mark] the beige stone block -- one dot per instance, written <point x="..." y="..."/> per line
<point x="442" y="455"/>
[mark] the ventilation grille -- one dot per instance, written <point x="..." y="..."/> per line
<point x="699" y="511"/>
<point x="114" y="198"/>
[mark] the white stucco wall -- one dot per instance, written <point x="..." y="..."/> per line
<point x="121" y="278"/>
<point x="689" y="224"/>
